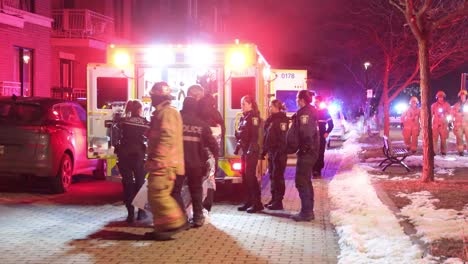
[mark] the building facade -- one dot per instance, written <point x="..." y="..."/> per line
<point x="25" y="49"/>
<point x="46" y="45"/>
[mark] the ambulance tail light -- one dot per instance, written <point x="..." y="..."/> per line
<point x="236" y="166"/>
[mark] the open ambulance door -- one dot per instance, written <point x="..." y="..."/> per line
<point x="108" y="90"/>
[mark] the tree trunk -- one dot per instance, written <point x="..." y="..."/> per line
<point x="386" y="103"/>
<point x="426" y="122"/>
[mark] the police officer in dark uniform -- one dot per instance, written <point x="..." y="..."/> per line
<point x="325" y="123"/>
<point x="247" y="141"/>
<point x="197" y="137"/>
<point x="131" y="156"/>
<point x="274" y="143"/>
<point x="303" y="138"/>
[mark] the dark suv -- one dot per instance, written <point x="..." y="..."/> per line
<point x="44" y="137"/>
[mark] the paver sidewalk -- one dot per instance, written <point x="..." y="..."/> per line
<point x="42" y="231"/>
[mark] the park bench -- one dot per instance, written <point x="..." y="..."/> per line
<point x="394" y="153"/>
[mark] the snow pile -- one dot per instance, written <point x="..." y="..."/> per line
<point x="370" y="233"/>
<point x="433" y="224"/>
<point x="449" y="161"/>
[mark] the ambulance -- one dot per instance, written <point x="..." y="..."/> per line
<point x="227" y="71"/>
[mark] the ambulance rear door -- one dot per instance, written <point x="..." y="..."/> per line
<point x="108" y="90"/>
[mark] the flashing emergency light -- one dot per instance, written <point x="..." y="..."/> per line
<point x="322" y="105"/>
<point x="121" y="59"/>
<point x="237" y="166"/>
<point x="441" y="110"/>
<point x="159" y="56"/>
<point x="266" y="73"/>
<point x="465" y="109"/>
<point x="238" y="59"/>
<point x="401" y="107"/>
<point x="200" y="55"/>
<point x="333" y="109"/>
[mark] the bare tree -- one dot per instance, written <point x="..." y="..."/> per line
<point x="427" y="20"/>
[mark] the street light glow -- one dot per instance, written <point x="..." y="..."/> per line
<point x="367" y="65"/>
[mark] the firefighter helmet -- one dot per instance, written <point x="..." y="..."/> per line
<point x="160" y="88"/>
<point x="195" y="91"/>
<point x="414" y="99"/>
<point x="440" y="94"/>
<point x="160" y="92"/>
<point x="462" y="92"/>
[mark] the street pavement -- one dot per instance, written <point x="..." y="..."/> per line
<point x="87" y="225"/>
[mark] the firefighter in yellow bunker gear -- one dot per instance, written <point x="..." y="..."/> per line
<point x="411" y="124"/>
<point x="440" y="111"/>
<point x="460" y="123"/>
<point x="165" y="160"/>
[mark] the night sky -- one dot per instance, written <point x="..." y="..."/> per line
<point x="303" y="33"/>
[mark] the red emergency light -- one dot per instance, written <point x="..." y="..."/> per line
<point x="236" y="166"/>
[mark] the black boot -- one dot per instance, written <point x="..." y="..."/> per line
<point x="131" y="214"/>
<point x="141" y="214"/>
<point x="276" y="206"/>
<point x="244" y="207"/>
<point x="255" y="208"/>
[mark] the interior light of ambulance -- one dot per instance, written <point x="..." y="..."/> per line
<point x="200" y="55"/>
<point x="160" y="56"/>
<point x="237" y="59"/>
<point x="121" y="59"/>
<point x="237" y="166"/>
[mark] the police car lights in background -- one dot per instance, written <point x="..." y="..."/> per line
<point x="334" y="108"/>
<point x="400" y="108"/>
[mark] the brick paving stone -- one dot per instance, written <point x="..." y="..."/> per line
<point x="36" y="228"/>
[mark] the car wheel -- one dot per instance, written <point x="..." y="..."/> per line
<point x="63" y="180"/>
<point x="100" y="172"/>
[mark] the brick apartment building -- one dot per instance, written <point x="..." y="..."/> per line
<point x="25" y="50"/>
<point x="45" y="45"/>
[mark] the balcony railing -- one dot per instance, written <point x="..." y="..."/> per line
<point x="8" y="88"/>
<point x="81" y="23"/>
<point x="11" y="5"/>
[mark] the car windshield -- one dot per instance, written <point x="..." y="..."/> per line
<point x="20" y="112"/>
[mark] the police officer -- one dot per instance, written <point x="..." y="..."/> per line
<point x="303" y="138"/>
<point x="165" y="160"/>
<point x="411" y="124"/>
<point x="247" y="140"/>
<point x="325" y="124"/>
<point x="440" y="110"/>
<point x="197" y="137"/>
<point x="131" y="155"/>
<point x="274" y="144"/>
<point x="460" y="114"/>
